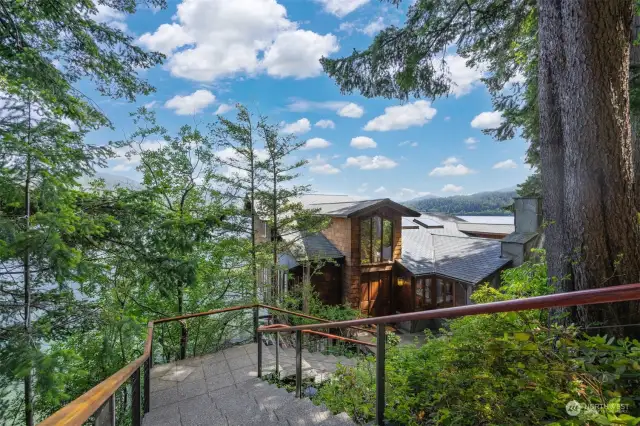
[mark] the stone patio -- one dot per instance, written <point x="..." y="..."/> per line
<point x="223" y="389"/>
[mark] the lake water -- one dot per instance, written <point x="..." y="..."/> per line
<point x="505" y="220"/>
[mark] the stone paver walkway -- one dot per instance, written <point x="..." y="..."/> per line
<point x="223" y="389"/>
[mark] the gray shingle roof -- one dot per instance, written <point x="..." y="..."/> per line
<point x="461" y="258"/>
<point x="519" y="237"/>
<point x="312" y="246"/>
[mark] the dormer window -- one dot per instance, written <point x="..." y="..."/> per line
<point x="376" y="240"/>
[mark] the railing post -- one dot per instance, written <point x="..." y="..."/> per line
<point x="147" y="385"/>
<point x="106" y="415"/>
<point x="135" y="398"/>
<point x="380" y="343"/>
<point x="259" y="355"/>
<point x="256" y="324"/>
<point x="298" y="363"/>
<point x="277" y="355"/>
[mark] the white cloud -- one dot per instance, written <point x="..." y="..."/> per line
<point x="380" y="190"/>
<point x="111" y="17"/>
<point x="402" y="117"/>
<point x="167" y="38"/>
<point x="451" y="188"/>
<point x="316" y="143"/>
<point x="341" y="8"/>
<point x="351" y="110"/>
<point x="191" y="104"/>
<point x="471" y="143"/>
<point x="212" y="39"/>
<point x="223" y="109"/>
<point x="324" y="169"/>
<point x="463" y="78"/>
<point x="342" y="108"/>
<point x="150" y="105"/>
<point x="506" y="164"/>
<point x="363" y="187"/>
<point x="363" y="142"/>
<point x="451" y="167"/>
<point x="325" y="124"/>
<point x="374" y="26"/>
<point x="297" y="53"/>
<point x="409" y="143"/>
<point x="447" y="118"/>
<point x="364" y="162"/>
<point x="298" y="127"/>
<point x="487" y="120"/>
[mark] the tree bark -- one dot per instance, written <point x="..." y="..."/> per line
<point x="634" y="69"/>
<point x="586" y="149"/>
<point x="28" y="388"/>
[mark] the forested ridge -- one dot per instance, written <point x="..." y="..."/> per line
<point x="483" y="203"/>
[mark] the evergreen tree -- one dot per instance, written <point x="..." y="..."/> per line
<point x="587" y="173"/>
<point x="243" y="178"/>
<point x="43" y="237"/>
<point x="278" y="200"/>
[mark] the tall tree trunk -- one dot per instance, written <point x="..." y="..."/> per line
<point x="552" y="146"/>
<point x="254" y="267"/>
<point x="586" y="149"/>
<point x="28" y="391"/>
<point x="634" y="71"/>
<point x="274" y="234"/>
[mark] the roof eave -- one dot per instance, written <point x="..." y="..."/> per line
<point x="403" y="210"/>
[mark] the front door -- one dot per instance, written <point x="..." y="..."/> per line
<point x="375" y="293"/>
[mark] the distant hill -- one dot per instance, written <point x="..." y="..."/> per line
<point x="421" y="198"/>
<point x="482" y="203"/>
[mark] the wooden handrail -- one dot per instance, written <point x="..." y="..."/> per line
<point x="82" y="408"/>
<point x="620" y="293"/>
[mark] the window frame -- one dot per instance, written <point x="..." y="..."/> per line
<point x="371" y="239"/>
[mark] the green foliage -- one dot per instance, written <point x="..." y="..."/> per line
<point x="293" y="302"/>
<point x="489" y="203"/>
<point x="507" y="369"/>
<point x="52" y="45"/>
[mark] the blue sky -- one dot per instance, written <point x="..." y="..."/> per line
<point x="264" y="54"/>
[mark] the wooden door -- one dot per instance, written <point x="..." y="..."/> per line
<point x="375" y="293"/>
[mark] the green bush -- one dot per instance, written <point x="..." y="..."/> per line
<point x="500" y="369"/>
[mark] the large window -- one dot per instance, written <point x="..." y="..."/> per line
<point x="376" y="240"/>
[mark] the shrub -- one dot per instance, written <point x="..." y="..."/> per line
<point x="506" y="369"/>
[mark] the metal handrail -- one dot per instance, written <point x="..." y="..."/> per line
<point x="621" y="293"/>
<point x="276" y="328"/>
<point x="82" y="408"/>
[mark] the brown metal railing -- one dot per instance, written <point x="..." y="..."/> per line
<point x="81" y="409"/>
<point x="101" y="396"/>
<point x="621" y="293"/>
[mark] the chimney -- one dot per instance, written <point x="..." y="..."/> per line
<point x="528" y="214"/>
<point x="528" y="220"/>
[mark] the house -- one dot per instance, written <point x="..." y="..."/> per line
<point x="382" y="257"/>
